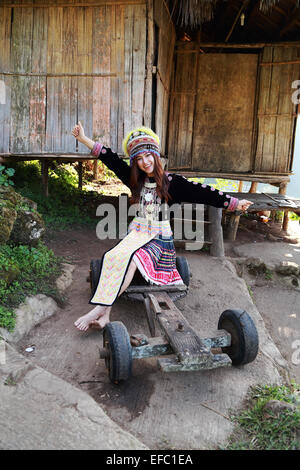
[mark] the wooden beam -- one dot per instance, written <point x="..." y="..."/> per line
<point x="254" y="45"/>
<point x="63" y="75"/>
<point x="293" y="19"/>
<point x="72" y="5"/>
<point x="244" y="5"/>
<point x="260" y="177"/>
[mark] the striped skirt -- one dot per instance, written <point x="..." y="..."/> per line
<point x="152" y="249"/>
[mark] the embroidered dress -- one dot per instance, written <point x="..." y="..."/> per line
<point x="150" y="244"/>
<point x="149" y="241"/>
<point x="156" y="260"/>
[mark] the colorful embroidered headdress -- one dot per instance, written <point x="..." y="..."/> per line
<point x="140" y="140"/>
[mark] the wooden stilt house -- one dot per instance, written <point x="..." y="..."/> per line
<point x="217" y="80"/>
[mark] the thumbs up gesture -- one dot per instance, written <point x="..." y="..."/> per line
<point x="78" y="132"/>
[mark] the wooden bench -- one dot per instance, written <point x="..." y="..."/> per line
<point x="262" y="202"/>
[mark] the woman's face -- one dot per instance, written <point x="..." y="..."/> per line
<point x="145" y="162"/>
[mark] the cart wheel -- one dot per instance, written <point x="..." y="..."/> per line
<point x="95" y="267"/>
<point x="244" y="336"/>
<point x="183" y="269"/>
<point x="119" y="360"/>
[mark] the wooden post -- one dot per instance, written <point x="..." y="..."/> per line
<point x="95" y="170"/>
<point x="285" y="222"/>
<point x="45" y="166"/>
<point x="240" y="189"/>
<point x="216" y="231"/>
<point x="253" y="187"/>
<point x="233" y="226"/>
<point x="79" y="175"/>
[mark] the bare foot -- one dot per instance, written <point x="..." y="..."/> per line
<point x="100" y="323"/>
<point x="83" y="323"/>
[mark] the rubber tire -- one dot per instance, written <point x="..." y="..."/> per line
<point x="244" y="336"/>
<point x="116" y="339"/>
<point x="95" y="266"/>
<point x="183" y="268"/>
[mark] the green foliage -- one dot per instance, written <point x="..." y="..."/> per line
<point x="66" y="205"/>
<point x="268" y="274"/>
<point x="25" y="271"/>
<point x="223" y="185"/>
<point x="5" y="174"/>
<point x="294" y="216"/>
<point x="7" y="318"/>
<point x="220" y="184"/>
<point x="197" y="180"/>
<point x="264" y="430"/>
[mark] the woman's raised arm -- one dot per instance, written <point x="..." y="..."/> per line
<point x="109" y="158"/>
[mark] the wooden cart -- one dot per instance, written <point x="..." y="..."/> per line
<point x="236" y="335"/>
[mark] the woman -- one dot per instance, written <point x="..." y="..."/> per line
<point x="149" y="244"/>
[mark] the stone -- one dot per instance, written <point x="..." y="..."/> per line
<point x="288" y="268"/>
<point x="19" y="220"/>
<point x="289" y="281"/>
<point x="255" y="266"/>
<point x="36" y="308"/>
<point x="28" y="228"/>
<point x="32" y="311"/>
<point x="7" y="219"/>
<point x="277" y="406"/>
<point x="65" y="279"/>
<point x="9" y="274"/>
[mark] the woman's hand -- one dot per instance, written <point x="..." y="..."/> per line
<point x="78" y="132"/>
<point x="243" y="205"/>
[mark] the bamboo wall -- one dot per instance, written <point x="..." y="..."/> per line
<point x="276" y="113"/>
<point x="165" y="38"/>
<point x="231" y="114"/>
<point x="63" y="63"/>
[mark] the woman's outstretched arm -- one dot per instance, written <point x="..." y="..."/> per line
<point x="182" y="190"/>
<point x="109" y="158"/>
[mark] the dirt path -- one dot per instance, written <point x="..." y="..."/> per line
<point x="178" y="410"/>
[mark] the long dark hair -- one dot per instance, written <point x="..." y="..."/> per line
<point x="137" y="180"/>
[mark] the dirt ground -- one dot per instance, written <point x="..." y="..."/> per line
<point x="72" y="355"/>
<point x="279" y="305"/>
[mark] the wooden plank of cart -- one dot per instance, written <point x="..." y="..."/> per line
<point x="236" y="335"/>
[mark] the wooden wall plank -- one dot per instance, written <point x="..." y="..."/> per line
<point x="21" y="40"/>
<point x="5" y="81"/>
<point x="84" y="39"/>
<point x="138" y="65"/>
<point x="102" y="23"/>
<point x="128" y="60"/>
<point x="62" y="91"/>
<point x="165" y="63"/>
<point x="117" y="85"/>
<point x="182" y="105"/>
<point x="37" y="93"/>
<point x="223" y="121"/>
<point x="134" y="66"/>
<point x="275" y="110"/>
<point x="149" y="64"/>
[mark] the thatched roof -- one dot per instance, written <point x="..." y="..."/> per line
<point x="264" y="19"/>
